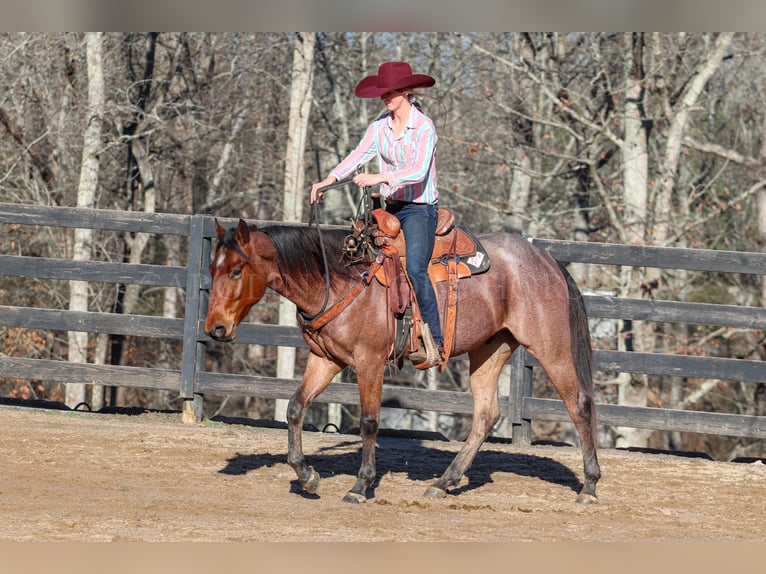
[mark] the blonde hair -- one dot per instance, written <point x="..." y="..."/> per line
<point x="412" y="97"/>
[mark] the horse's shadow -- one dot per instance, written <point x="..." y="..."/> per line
<point x="418" y="462"/>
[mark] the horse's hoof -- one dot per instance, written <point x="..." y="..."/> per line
<point x="584" y="498"/>
<point x="354" y="498"/>
<point x="312" y="484"/>
<point x="434" y="492"/>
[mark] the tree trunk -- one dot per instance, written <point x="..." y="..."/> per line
<point x="86" y="193"/>
<point x="294" y="196"/>
<point x="635" y="156"/>
<point x="297" y="127"/>
<point x="139" y="241"/>
<point x="761" y="209"/>
<point x="137" y="185"/>
<point x="524" y="138"/>
<point x="633" y="387"/>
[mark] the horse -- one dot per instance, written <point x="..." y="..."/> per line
<point x="526" y="298"/>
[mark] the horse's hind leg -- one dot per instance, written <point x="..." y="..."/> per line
<point x="318" y="374"/>
<point x="486" y="364"/>
<point x="587" y="428"/>
<point x="582" y="410"/>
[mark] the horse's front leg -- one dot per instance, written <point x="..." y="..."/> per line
<point x="319" y="373"/>
<point x="370" y="392"/>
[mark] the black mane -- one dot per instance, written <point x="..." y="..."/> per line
<point x="299" y="250"/>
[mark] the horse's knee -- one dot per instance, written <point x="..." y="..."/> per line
<point x="368" y="425"/>
<point x="294" y="412"/>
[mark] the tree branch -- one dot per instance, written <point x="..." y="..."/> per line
<point x="41" y="164"/>
<point x="725" y="153"/>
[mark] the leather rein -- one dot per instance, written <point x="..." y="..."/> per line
<point x="312" y="323"/>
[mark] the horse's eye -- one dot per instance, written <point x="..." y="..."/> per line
<point x="236" y="272"/>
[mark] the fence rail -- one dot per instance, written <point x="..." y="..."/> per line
<point x="192" y="382"/>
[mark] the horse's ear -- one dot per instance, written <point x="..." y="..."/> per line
<point x="243" y="233"/>
<point x="220" y="231"/>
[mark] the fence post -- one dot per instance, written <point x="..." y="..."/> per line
<point x="521" y="387"/>
<point x="193" y="349"/>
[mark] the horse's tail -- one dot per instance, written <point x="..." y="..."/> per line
<point x="582" y="350"/>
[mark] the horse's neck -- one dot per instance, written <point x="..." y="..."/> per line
<point x="307" y="295"/>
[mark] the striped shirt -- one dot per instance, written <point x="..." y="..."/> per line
<point x="407" y="160"/>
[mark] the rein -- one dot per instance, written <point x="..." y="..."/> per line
<point x="316" y="322"/>
<point x="314" y="219"/>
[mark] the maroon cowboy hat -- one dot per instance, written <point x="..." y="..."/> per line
<point x="391" y="76"/>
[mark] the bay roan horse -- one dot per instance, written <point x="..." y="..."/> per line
<point x="525" y="298"/>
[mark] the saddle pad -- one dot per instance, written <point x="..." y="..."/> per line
<point x="479" y="261"/>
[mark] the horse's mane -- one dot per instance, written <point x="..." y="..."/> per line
<point x="299" y="250"/>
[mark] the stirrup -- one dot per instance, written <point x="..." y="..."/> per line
<point x="430" y="357"/>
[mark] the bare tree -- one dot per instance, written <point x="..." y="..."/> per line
<point x="86" y="191"/>
<point x="294" y="194"/>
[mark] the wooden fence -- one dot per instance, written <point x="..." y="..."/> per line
<point x="192" y="382"/>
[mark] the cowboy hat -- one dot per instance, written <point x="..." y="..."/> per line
<point x="391" y="76"/>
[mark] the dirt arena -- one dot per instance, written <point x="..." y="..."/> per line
<point x="93" y="477"/>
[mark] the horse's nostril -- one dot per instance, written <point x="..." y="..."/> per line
<point x="218" y="332"/>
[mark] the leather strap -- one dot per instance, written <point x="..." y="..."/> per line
<point x="451" y="315"/>
<point x="321" y="320"/>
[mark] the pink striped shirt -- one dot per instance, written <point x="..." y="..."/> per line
<point x="407" y="160"/>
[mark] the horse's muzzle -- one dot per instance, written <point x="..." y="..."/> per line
<point x="218" y="333"/>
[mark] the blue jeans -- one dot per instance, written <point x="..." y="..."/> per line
<point x="419" y="227"/>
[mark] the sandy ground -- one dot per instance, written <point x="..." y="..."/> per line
<point x="93" y="477"/>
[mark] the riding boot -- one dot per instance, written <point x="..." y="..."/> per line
<point x="424" y="358"/>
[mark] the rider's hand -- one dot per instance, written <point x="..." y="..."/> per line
<point x="316" y="195"/>
<point x="369" y="179"/>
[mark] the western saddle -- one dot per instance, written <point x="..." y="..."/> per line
<point x="457" y="254"/>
